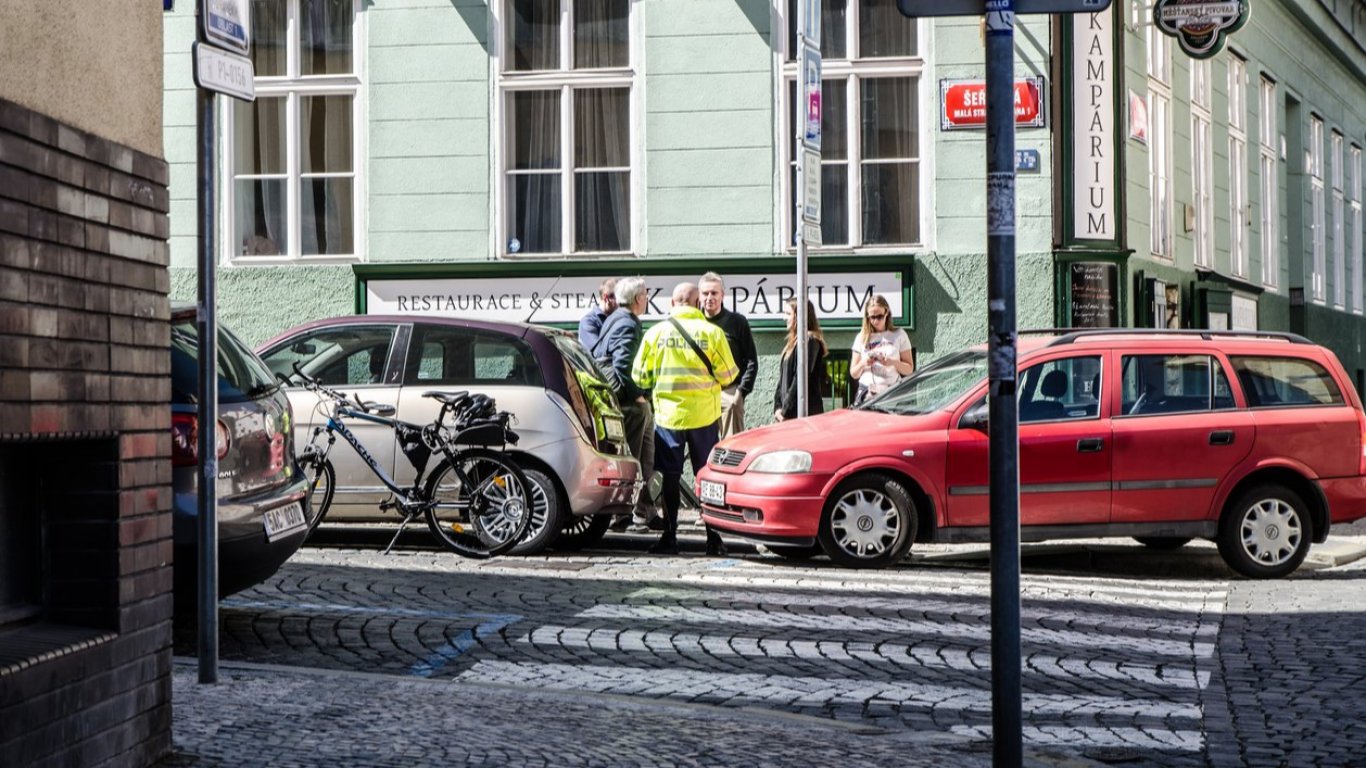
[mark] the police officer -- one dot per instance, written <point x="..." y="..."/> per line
<point x="685" y="361"/>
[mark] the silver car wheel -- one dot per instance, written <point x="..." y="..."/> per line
<point x="1271" y="531"/>
<point x="865" y="522"/>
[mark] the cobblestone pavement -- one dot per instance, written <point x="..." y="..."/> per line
<point x="613" y="658"/>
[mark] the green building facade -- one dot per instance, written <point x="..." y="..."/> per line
<point x="503" y="149"/>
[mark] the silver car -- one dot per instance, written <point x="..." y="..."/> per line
<point x="572" y="444"/>
<point x="262" y="508"/>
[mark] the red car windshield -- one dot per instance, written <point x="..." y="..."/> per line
<point x="933" y="387"/>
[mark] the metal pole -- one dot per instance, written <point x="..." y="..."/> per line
<point x="207" y="329"/>
<point x="799" y="198"/>
<point x="1004" y="480"/>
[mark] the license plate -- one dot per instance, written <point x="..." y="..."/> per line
<point x="285" y="520"/>
<point x="714" y="493"/>
<point x="614" y="429"/>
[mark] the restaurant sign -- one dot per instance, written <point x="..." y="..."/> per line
<point x="1200" y="27"/>
<point x="562" y="300"/>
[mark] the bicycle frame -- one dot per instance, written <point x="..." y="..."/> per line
<point x="336" y="426"/>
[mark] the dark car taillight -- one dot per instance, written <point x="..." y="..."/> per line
<point x="185" y="439"/>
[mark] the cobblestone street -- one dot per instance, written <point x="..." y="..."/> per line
<point x="619" y="658"/>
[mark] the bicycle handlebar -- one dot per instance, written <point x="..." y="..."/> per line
<point x="315" y="385"/>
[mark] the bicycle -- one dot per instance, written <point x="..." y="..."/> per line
<point x="476" y="502"/>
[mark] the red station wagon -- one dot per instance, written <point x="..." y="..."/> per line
<point x="1254" y="440"/>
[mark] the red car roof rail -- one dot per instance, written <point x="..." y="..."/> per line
<point x="1070" y="335"/>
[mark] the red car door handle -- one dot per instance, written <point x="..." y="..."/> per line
<point x="1090" y="444"/>
<point x="1221" y="437"/>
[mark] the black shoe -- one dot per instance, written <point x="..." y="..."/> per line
<point x="716" y="547"/>
<point x="656" y="524"/>
<point x="620" y="523"/>
<point x="665" y="546"/>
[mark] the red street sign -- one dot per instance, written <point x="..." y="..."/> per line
<point x="964" y="103"/>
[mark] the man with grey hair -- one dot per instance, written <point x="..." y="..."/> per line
<point x="741" y="341"/>
<point x="615" y="352"/>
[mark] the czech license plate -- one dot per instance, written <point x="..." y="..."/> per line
<point x="614" y="428"/>
<point x="285" y="520"/>
<point x="714" y="493"/>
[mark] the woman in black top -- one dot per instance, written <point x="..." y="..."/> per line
<point x="785" y="398"/>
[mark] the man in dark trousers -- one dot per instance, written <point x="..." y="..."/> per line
<point x="590" y="325"/>
<point x="618" y="344"/>
<point x="685" y="362"/>
<point x="741" y="341"/>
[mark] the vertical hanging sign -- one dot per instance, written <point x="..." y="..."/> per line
<point x="1093" y="126"/>
<point x="807" y="112"/>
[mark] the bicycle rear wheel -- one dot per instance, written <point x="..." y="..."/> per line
<point x="322" y="481"/>
<point x="481" y="504"/>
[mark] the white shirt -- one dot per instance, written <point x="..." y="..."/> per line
<point x="877" y="376"/>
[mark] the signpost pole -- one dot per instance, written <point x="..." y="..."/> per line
<point x="220" y="64"/>
<point x="1003" y="429"/>
<point x="206" y="328"/>
<point x="806" y="110"/>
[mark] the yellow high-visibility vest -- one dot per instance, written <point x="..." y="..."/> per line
<point x="685" y="395"/>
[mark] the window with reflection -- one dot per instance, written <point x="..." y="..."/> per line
<point x="293" y="150"/>
<point x="871" y="71"/>
<point x="566" y="85"/>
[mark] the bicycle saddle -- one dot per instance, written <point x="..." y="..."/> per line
<point x="448" y="398"/>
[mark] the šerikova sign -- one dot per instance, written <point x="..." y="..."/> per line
<point x="1200" y="27"/>
<point x="563" y="300"/>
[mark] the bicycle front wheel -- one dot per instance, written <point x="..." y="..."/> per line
<point x="322" y="481"/>
<point x="481" y="503"/>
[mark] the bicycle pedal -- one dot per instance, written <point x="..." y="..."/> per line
<point x="387" y="505"/>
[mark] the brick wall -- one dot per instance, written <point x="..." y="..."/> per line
<point x="85" y="436"/>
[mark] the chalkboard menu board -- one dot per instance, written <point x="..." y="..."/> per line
<point x="1094" y="293"/>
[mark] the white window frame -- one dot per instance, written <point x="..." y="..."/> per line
<point x="291" y="86"/>
<point x="1270" y="182"/>
<point x="1354" y="241"/>
<point x="1237" y="165"/>
<point x="852" y="72"/>
<point x="1318" y="264"/>
<point x="1339" y="216"/>
<point x="567" y="80"/>
<point x="1202" y="163"/>
<point x="1160" y="213"/>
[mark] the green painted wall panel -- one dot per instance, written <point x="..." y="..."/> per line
<point x="429" y="138"/>
<point x="427" y="101"/>
<point x="428" y="63"/>
<point x="686" y="18"/>
<point x="710" y="168"/>
<point x="437" y="25"/>
<point x="699" y="95"/>
<point x="428" y="213"/>
<point x="432" y="175"/>
<point x="738" y="128"/>
<point x="250" y="298"/>
<point x="720" y="205"/>
<point x="738" y="240"/>
<point x="718" y="53"/>
<point x="444" y="245"/>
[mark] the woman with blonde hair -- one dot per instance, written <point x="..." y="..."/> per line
<point x="785" y="398"/>
<point x="882" y="352"/>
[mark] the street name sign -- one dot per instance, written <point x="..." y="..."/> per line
<point x="222" y="72"/>
<point x="227" y="24"/>
<point x="964" y="103"/>
<point x="979" y="7"/>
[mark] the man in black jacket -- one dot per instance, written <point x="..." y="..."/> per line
<point x="618" y="343"/>
<point x="741" y="341"/>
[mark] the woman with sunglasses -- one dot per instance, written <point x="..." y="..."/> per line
<point x="882" y="352"/>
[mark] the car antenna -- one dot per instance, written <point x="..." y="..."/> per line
<point x="535" y="306"/>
